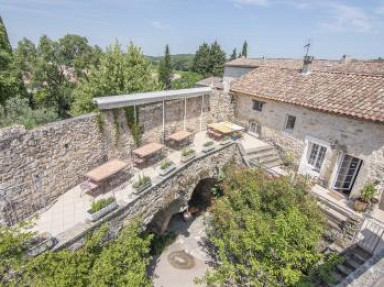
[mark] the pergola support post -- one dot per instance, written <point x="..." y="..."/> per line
<point x="163" y="121"/>
<point x="185" y="113"/>
<point x="202" y="112"/>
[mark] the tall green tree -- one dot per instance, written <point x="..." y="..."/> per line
<point x="233" y="55"/>
<point x="209" y="60"/>
<point x="118" y="73"/>
<point x="217" y="59"/>
<point x="5" y="45"/>
<point x="10" y="79"/>
<point x="266" y="232"/>
<point x="244" y="52"/>
<point x="166" y="69"/>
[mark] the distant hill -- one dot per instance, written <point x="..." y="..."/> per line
<point x="181" y="62"/>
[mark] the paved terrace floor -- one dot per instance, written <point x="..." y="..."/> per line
<point x="70" y="208"/>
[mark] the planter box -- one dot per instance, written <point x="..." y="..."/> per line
<point x="164" y="172"/>
<point x="225" y="142"/>
<point x="187" y="158"/>
<point x="99" y="214"/>
<point x="207" y="149"/>
<point x="141" y="188"/>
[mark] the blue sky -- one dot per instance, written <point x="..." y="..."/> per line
<point x="274" y="28"/>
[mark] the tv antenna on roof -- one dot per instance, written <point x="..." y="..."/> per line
<point x="307" y="47"/>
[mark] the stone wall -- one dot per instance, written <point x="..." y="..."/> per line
<point x="363" y="140"/>
<point x="39" y="165"/>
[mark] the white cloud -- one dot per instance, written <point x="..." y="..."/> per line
<point x="159" y="25"/>
<point x="347" y="18"/>
<point x="240" y="3"/>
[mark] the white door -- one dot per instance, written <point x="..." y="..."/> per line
<point x="254" y="129"/>
<point x="348" y="169"/>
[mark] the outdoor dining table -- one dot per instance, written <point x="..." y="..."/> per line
<point x="180" y="137"/>
<point x="144" y="153"/>
<point x="219" y="127"/>
<point x="98" y="175"/>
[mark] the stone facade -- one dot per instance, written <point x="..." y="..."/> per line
<point x="39" y="165"/>
<point x="363" y="140"/>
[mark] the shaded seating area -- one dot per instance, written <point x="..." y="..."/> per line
<point x="179" y="139"/>
<point x="98" y="177"/>
<point x="219" y="131"/>
<point x="148" y="154"/>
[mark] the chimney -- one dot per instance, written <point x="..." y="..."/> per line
<point x="346" y="59"/>
<point x="307" y="63"/>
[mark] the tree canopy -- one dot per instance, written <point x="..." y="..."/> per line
<point x="209" y="60"/>
<point x="118" y="73"/>
<point x="233" y="55"/>
<point x="244" y="52"/>
<point x="266" y="232"/>
<point x="121" y="262"/>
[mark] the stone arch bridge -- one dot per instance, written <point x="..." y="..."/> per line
<point x="170" y="193"/>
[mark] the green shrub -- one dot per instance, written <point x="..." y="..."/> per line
<point x="187" y="151"/>
<point x="141" y="181"/>
<point x="100" y="204"/>
<point x="165" y="164"/>
<point x="368" y="192"/>
<point x="209" y="143"/>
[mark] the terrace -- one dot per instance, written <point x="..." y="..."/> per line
<point x="70" y="209"/>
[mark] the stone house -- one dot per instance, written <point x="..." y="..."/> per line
<point x="331" y="119"/>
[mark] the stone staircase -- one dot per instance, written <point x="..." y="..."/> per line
<point x="354" y="258"/>
<point x="265" y="156"/>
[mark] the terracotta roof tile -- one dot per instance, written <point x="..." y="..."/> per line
<point x="356" y="96"/>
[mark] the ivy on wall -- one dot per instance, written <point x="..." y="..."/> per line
<point x="116" y="122"/>
<point x="133" y="125"/>
<point x="100" y="121"/>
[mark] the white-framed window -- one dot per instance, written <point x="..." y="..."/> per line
<point x="316" y="155"/>
<point x="290" y="123"/>
<point x="257" y="105"/>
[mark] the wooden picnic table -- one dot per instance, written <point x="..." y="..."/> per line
<point x="106" y="170"/>
<point x="179" y="136"/>
<point x="218" y="127"/>
<point x="148" y="149"/>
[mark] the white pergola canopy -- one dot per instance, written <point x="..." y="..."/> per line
<point x="115" y="102"/>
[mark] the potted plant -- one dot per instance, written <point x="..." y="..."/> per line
<point x="101" y="207"/>
<point x="208" y="146"/>
<point x="236" y="135"/>
<point x="225" y="140"/>
<point x="367" y="194"/>
<point x="141" y="184"/>
<point x="166" y="166"/>
<point x="187" y="154"/>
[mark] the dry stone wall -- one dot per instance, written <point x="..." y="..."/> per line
<point x="39" y="165"/>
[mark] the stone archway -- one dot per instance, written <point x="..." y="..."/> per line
<point x="201" y="196"/>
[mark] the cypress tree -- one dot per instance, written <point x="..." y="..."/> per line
<point x="234" y="55"/>
<point x="200" y="63"/>
<point x="5" y="45"/>
<point x="166" y="69"/>
<point x="217" y="60"/>
<point x="244" y="53"/>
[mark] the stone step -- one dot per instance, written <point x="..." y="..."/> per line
<point x="274" y="163"/>
<point x="332" y="213"/>
<point x="345" y="270"/>
<point x="337" y="276"/>
<point x="334" y="225"/>
<point x="359" y="255"/>
<point x="351" y="262"/>
<point x="264" y="154"/>
<point x="269" y="159"/>
<point x="259" y="149"/>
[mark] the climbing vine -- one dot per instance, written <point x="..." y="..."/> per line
<point x="100" y="121"/>
<point x="133" y="125"/>
<point x="117" y="126"/>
